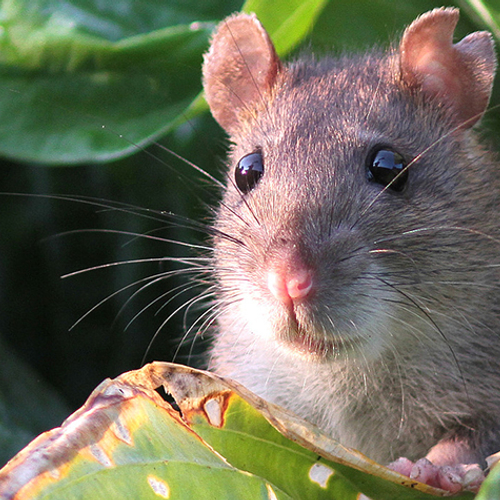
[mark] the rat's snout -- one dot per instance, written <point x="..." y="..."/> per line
<point x="289" y="278"/>
<point x="290" y="285"/>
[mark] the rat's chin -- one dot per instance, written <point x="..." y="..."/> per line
<point x="318" y="347"/>
<point x="303" y="335"/>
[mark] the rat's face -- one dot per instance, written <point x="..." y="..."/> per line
<point x="350" y="191"/>
<point x="317" y="184"/>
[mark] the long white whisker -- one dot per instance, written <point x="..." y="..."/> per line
<point x="174" y="292"/>
<point x="154" y="278"/>
<point x="193" y="262"/>
<point x="160" y="328"/>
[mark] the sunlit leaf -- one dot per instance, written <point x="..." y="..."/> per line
<point x="127" y="442"/>
<point x="287" y="22"/>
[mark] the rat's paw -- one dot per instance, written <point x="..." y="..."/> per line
<point x="452" y="478"/>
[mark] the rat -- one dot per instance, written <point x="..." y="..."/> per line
<point x="356" y="249"/>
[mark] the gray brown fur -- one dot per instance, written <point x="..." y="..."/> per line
<point x="415" y="276"/>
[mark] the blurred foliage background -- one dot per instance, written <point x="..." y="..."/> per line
<point x="50" y="360"/>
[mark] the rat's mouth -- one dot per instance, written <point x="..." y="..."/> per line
<point x="306" y="335"/>
<point x="321" y="348"/>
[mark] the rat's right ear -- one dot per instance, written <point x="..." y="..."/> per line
<point x="460" y="75"/>
<point x="239" y="70"/>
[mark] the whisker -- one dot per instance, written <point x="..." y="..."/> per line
<point x="198" y="282"/>
<point x="174" y="292"/>
<point x="418" y="231"/>
<point x="179" y="260"/>
<point x="155" y="277"/>
<point x="164" y="323"/>
<point x="435" y="325"/>
<point x="209" y="316"/>
<point x="198" y="169"/>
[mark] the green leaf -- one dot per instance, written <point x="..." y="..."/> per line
<point x="490" y="489"/>
<point x="268" y="441"/>
<point x="81" y="85"/>
<point x="127" y="442"/>
<point x="55" y="102"/>
<point x="286" y="21"/>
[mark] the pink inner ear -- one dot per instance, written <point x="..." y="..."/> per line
<point x="460" y="75"/>
<point x="433" y="64"/>
<point x="239" y="70"/>
<point x="443" y="74"/>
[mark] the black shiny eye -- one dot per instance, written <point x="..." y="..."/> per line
<point x="248" y="172"/>
<point x="387" y="167"/>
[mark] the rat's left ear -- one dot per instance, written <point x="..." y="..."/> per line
<point x="459" y="75"/>
<point x="239" y="70"/>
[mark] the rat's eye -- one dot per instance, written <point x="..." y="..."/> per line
<point x="387" y="167"/>
<point x="248" y="172"/>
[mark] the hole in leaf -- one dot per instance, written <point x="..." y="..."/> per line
<point x="166" y="396"/>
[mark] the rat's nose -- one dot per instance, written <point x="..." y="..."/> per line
<point x="289" y="286"/>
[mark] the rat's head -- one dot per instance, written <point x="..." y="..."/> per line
<point x="343" y="175"/>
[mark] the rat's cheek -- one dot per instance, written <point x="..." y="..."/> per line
<point x="258" y="317"/>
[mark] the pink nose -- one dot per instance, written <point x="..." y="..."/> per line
<point x="290" y="286"/>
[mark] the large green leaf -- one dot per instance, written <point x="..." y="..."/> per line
<point x="80" y="84"/>
<point x="288" y="22"/>
<point x="127" y="442"/>
<point x="133" y="88"/>
<point x="61" y="82"/>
